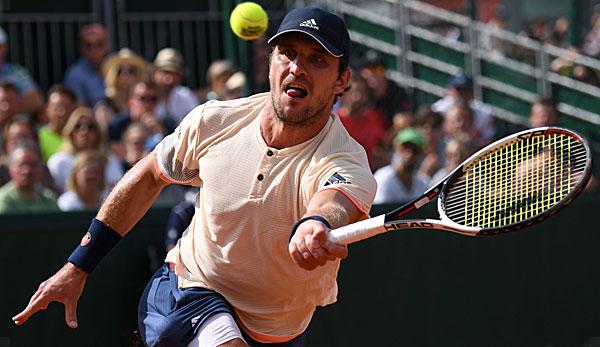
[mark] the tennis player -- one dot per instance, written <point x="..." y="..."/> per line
<point x="277" y="171"/>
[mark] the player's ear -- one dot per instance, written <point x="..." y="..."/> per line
<point x="342" y="82"/>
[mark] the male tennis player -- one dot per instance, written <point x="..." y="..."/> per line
<point x="277" y="171"/>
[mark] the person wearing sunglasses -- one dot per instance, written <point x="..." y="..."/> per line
<point x="141" y="108"/>
<point x="81" y="133"/>
<point x="121" y="71"/>
<point x="84" y="77"/>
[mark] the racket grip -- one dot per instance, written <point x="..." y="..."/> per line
<point x="358" y="231"/>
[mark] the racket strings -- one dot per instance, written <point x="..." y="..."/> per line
<point x="516" y="182"/>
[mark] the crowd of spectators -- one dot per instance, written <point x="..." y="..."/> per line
<point x="112" y="109"/>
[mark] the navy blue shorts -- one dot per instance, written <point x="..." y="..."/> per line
<point x="170" y="317"/>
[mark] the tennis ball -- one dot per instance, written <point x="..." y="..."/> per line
<point x="248" y="20"/>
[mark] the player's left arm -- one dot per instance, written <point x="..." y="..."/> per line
<point x="309" y="246"/>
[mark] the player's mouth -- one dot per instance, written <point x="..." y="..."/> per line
<point x="295" y="91"/>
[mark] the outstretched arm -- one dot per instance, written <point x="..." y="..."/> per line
<point x="125" y="206"/>
<point x="309" y="246"/>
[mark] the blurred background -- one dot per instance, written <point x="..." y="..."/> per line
<point x="87" y="88"/>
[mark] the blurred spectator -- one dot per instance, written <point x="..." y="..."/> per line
<point x="429" y="124"/>
<point x="23" y="193"/>
<point x="9" y="99"/>
<point x="585" y="74"/>
<point x="30" y="100"/>
<point x="459" y="118"/>
<point x="86" y="184"/>
<point x="388" y="97"/>
<point x="401" y="181"/>
<point x="217" y="74"/>
<point x="134" y="140"/>
<point x="60" y="105"/>
<point x="21" y="129"/>
<point x="460" y="89"/>
<point x="84" y="77"/>
<point x="142" y="107"/>
<point x="363" y="122"/>
<point x="458" y="149"/>
<point x="559" y="35"/>
<point x="235" y="87"/>
<point x="121" y="72"/>
<point x="81" y="133"/>
<point x="591" y="44"/>
<point x="543" y="113"/>
<point x="175" y="100"/>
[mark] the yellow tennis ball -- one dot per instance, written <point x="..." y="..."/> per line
<point x="248" y="20"/>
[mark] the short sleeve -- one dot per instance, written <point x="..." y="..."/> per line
<point x="349" y="174"/>
<point x="176" y="159"/>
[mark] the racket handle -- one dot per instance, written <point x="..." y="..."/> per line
<point x="358" y="231"/>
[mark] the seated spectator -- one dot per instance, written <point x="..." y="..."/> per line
<point x="81" y="133"/>
<point x="85" y="185"/>
<point x="585" y="74"/>
<point x="235" y="87"/>
<point x="217" y="74"/>
<point x="460" y="90"/>
<point x="389" y="98"/>
<point x="121" y="71"/>
<point x="401" y="181"/>
<point x="134" y="140"/>
<point x="175" y="100"/>
<point x="142" y="107"/>
<point x="458" y="148"/>
<point x="459" y="118"/>
<point x="23" y="193"/>
<point x="30" y="97"/>
<point x="543" y="113"/>
<point x="363" y="122"/>
<point x="84" y="77"/>
<point x="9" y="99"/>
<point x="60" y="105"/>
<point x="21" y="129"/>
<point x="429" y="124"/>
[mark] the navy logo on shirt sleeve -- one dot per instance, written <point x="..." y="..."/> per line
<point x="336" y="178"/>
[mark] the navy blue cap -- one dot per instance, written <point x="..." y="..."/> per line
<point x="460" y="81"/>
<point x="325" y="27"/>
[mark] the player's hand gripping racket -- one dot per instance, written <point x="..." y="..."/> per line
<point x="512" y="183"/>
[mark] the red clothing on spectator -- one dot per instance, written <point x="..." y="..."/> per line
<point x="368" y="129"/>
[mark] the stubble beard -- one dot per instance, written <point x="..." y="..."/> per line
<point x="304" y="118"/>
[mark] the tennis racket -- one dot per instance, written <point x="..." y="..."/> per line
<point x="510" y="184"/>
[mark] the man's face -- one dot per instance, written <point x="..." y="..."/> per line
<point x="94" y="46"/>
<point x="8" y="102"/>
<point x="304" y="79"/>
<point x="18" y="132"/>
<point x="376" y="79"/>
<point x="409" y="154"/>
<point x="542" y="115"/>
<point x="143" y="100"/>
<point x="167" y="79"/>
<point x="25" y="169"/>
<point x="59" y="108"/>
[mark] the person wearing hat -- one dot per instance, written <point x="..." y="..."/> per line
<point x="278" y="171"/>
<point x="121" y="71"/>
<point x="460" y="90"/>
<point x="175" y="100"/>
<point x="84" y="77"/>
<point x="401" y="181"/>
<point x="217" y="74"/>
<point x="30" y="99"/>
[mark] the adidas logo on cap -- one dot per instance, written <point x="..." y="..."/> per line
<point x="310" y="23"/>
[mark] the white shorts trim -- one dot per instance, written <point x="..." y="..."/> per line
<point x="217" y="329"/>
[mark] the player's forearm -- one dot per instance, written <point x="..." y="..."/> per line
<point x="132" y="197"/>
<point x="335" y="207"/>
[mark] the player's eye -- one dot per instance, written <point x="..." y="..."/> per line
<point x="318" y="60"/>
<point x="290" y="53"/>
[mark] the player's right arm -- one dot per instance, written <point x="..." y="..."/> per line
<point x="125" y="206"/>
